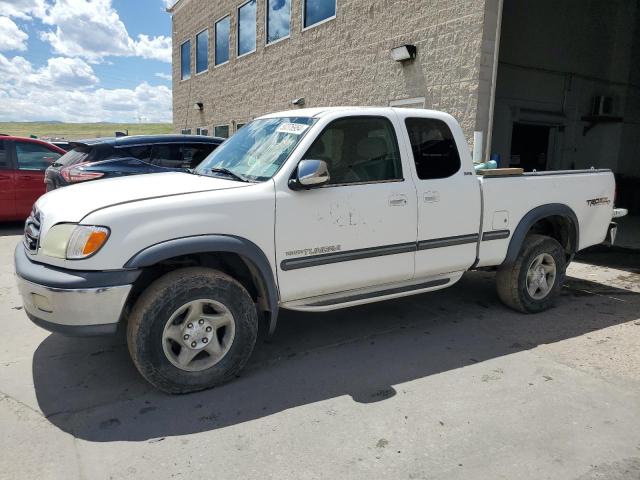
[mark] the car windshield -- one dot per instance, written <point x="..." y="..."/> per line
<point x="257" y="150"/>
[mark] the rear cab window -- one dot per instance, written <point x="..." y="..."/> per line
<point x="435" y="152"/>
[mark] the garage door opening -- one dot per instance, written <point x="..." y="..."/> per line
<point x="568" y="88"/>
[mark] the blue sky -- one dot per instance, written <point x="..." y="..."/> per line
<point x="85" y="60"/>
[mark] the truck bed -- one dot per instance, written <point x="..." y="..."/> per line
<point x="506" y="199"/>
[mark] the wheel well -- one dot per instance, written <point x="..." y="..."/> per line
<point x="561" y="229"/>
<point x="230" y="263"/>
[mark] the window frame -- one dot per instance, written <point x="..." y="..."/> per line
<point x="374" y="182"/>
<point x="184" y="130"/>
<point x="206" y="29"/>
<point x="255" y="43"/>
<point x="215" y="41"/>
<point x="199" y="131"/>
<point x="413" y="157"/>
<point x="304" y="14"/>
<point x="222" y="125"/>
<point x="266" y="24"/>
<point x="182" y="78"/>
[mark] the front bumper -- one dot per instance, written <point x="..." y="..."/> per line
<point x="76" y="303"/>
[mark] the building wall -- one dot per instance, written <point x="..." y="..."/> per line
<point x="345" y="61"/>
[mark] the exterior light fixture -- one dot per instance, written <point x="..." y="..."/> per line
<point x="198" y="106"/>
<point x="404" y="53"/>
<point x="298" y="102"/>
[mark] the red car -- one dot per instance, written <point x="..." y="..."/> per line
<point x="22" y="165"/>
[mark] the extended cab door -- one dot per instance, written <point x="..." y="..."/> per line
<point x="360" y="229"/>
<point x="7" y="190"/>
<point x="449" y="201"/>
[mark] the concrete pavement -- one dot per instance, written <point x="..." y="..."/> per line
<point x="444" y="385"/>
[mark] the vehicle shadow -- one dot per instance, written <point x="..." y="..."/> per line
<point x="8" y="229"/>
<point x="620" y="258"/>
<point x="90" y="389"/>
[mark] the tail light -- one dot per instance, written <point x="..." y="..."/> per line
<point x="76" y="173"/>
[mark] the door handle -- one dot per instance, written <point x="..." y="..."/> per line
<point x="397" y="200"/>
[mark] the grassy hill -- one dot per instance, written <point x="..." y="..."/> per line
<point x="77" y="131"/>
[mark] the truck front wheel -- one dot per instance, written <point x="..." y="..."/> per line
<point x="532" y="283"/>
<point x="192" y="329"/>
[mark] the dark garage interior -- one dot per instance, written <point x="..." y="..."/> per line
<point x="568" y="89"/>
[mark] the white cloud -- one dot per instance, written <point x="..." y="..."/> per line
<point x="93" y="30"/>
<point x="23" y="9"/>
<point x="65" y="89"/>
<point x="156" y="48"/>
<point x="164" y="76"/>
<point x="11" y="37"/>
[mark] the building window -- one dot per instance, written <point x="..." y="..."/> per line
<point x="186" y="131"/>
<point x="375" y="158"/>
<point x="317" y="11"/>
<point x="247" y="28"/>
<point x="221" y="131"/>
<point x="278" y="20"/>
<point x="202" y="51"/>
<point x="202" y="131"/>
<point x="239" y="126"/>
<point x="222" y="40"/>
<point x="434" y="149"/>
<point x="185" y="60"/>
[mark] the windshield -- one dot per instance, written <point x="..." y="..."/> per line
<point x="257" y="150"/>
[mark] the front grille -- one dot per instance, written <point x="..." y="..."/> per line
<point x="32" y="230"/>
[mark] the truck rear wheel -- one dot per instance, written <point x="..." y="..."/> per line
<point x="532" y="283"/>
<point x="192" y="329"/>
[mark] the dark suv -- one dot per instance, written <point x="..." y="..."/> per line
<point x="114" y="157"/>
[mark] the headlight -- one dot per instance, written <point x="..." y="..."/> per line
<point x="73" y="242"/>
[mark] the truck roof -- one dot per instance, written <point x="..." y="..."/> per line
<point x="321" y="111"/>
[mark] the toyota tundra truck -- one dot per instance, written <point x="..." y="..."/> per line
<point x="310" y="210"/>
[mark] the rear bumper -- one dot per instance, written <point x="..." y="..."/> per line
<point x="71" y="302"/>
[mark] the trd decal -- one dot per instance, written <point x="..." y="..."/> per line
<point x="594" y="202"/>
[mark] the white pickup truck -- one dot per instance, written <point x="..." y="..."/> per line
<point x="312" y="210"/>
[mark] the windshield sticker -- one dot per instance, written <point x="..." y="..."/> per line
<point x="294" y="128"/>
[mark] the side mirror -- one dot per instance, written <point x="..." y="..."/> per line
<point x="310" y="173"/>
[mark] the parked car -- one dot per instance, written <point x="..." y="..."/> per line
<point x="22" y="165"/>
<point x="312" y="210"/>
<point x="120" y="156"/>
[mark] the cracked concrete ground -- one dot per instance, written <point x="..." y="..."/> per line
<point x="444" y="385"/>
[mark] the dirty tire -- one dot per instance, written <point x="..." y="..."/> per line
<point x="512" y="280"/>
<point x="165" y="296"/>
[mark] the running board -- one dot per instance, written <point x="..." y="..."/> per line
<point x="361" y="296"/>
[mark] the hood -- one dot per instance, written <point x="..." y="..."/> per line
<point x="73" y="203"/>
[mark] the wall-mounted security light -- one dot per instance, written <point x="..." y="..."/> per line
<point x="298" y="102"/>
<point x="198" y="106"/>
<point x="404" y="53"/>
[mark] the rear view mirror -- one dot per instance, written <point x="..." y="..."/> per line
<point x="310" y="173"/>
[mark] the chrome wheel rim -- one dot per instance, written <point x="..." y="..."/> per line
<point x="541" y="276"/>
<point x="198" y="335"/>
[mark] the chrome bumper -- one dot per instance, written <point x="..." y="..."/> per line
<point x="80" y="312"/>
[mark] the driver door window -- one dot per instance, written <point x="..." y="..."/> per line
<point x="358" y="150"/>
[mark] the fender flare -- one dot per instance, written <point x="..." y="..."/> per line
<point x="535" y="215"/>
<point x="248" y="251"/>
